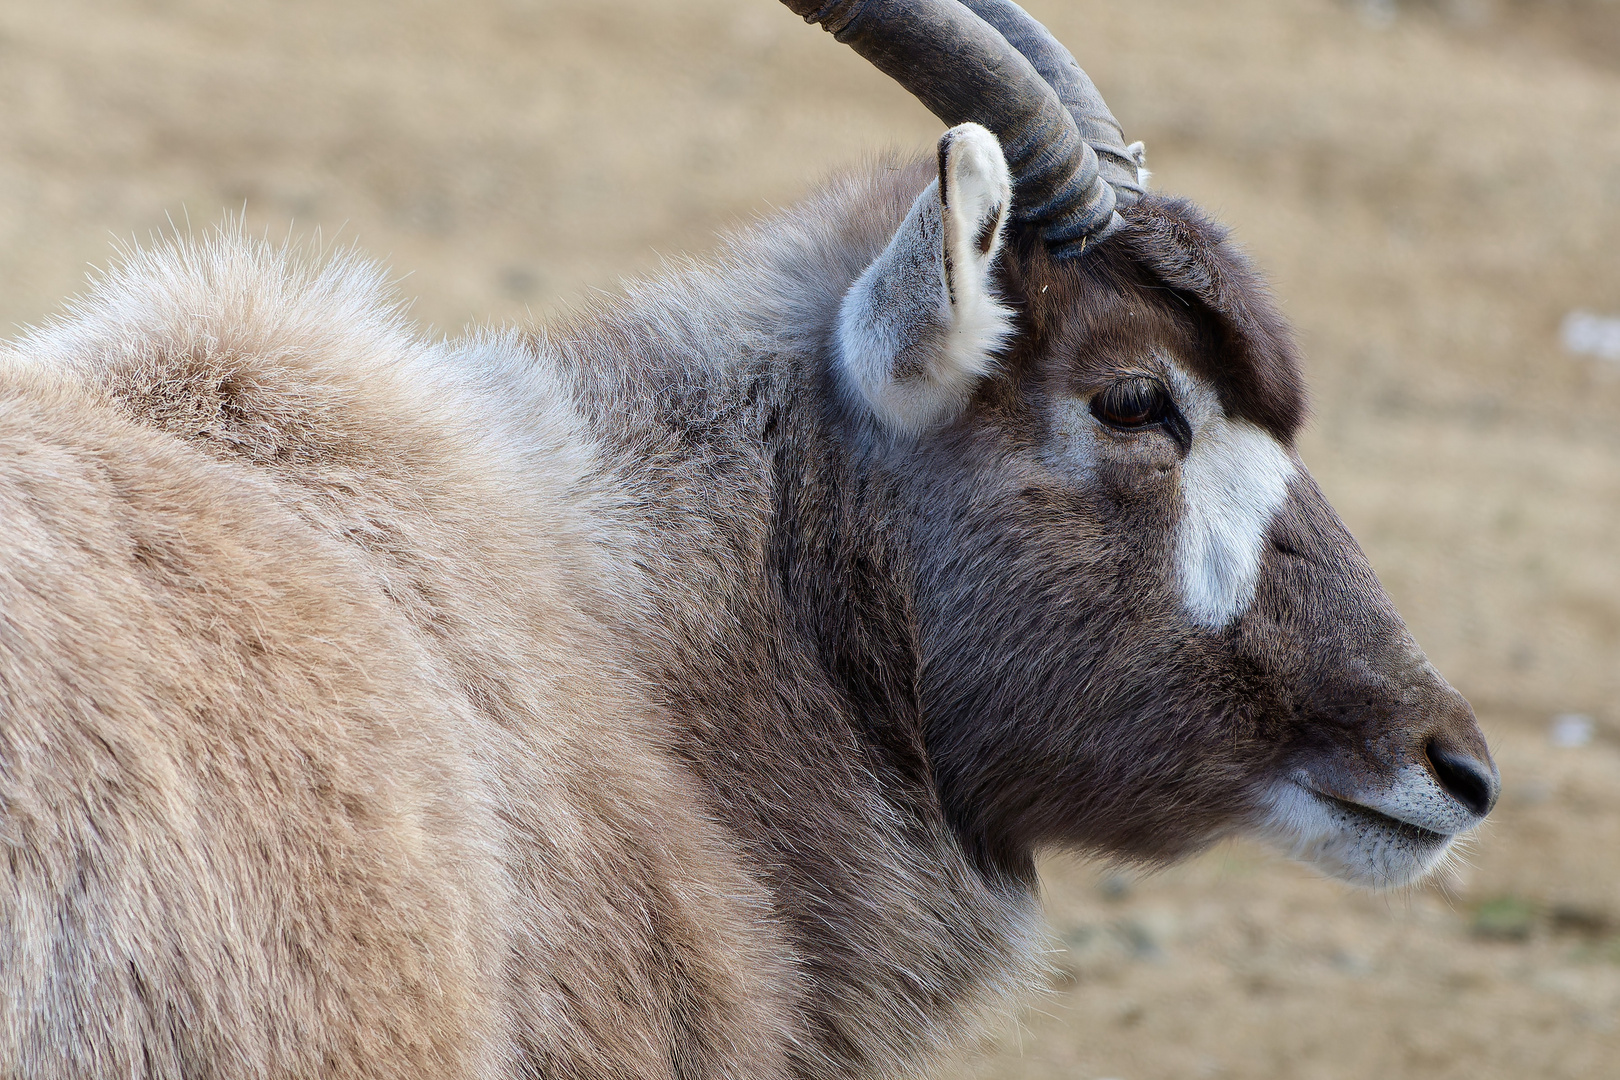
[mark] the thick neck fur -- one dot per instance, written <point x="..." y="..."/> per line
<point x="771" y="613"/>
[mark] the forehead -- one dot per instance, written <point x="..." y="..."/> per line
<point x="1171" y="286"/>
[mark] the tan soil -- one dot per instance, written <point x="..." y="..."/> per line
<point x="1432" y="186"/>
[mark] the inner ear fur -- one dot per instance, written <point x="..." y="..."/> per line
<point x="922" y="325"/>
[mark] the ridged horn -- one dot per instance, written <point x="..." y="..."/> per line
<point x="1120" y="164"/>
<point x="962" y="68"/>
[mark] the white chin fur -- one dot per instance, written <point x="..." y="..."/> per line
<point x="1361" y="846"/>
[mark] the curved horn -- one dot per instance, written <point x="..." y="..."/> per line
<point x="1120" y="163"/>
<point x="963" y="69"/>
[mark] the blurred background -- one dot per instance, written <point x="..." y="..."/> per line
<point x="1434" y="189"/>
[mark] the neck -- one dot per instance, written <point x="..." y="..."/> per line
<point x="771" y="617"/>
<point x="764" y="593"/>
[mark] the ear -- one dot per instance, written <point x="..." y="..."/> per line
<point x="921" y="326"/>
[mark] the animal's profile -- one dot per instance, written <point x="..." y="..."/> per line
<point x="684" y="689"/>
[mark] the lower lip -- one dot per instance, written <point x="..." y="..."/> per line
<point x="1404" y="828"/>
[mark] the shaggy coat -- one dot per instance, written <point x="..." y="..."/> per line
<point x="614" y="700"/>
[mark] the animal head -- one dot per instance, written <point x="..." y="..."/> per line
<point x="1142" y="625"/>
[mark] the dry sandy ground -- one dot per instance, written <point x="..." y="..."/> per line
<point x="1431" y="186"/>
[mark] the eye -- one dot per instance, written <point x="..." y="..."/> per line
<point x="1132" y="403"/>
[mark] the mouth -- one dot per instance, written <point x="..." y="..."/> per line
<point x="1350" y="840"/>
<point x="1377" y="819"/>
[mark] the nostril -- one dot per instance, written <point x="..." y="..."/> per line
<point x="1464" y="777"/>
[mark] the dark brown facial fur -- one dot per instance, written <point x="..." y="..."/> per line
<point x="1359" y="694"/>
<point x="1066" y="698"/>
<point x="1174" y="274"/>
<point x="1065" y="702"/>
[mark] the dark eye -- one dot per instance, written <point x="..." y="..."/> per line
<point x="1132" y="403"/>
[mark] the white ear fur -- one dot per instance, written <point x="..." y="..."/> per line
<point x="920" y="327"/>
<point x="1137" y="152"/>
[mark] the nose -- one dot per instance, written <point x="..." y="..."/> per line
<point x="1466" y="778"/>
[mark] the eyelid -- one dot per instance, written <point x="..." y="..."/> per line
<point x="1131" y="402"/>
<point x="1114" y="378"/>
<point x="1171" y="419"/>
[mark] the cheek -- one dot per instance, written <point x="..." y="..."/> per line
<point x="1122" y="504"/>
<point x="1124" y="470"/>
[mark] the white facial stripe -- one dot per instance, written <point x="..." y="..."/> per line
<point x="1233" y="482"/>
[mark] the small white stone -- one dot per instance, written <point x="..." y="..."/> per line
<point x="1586" y="334"/>
<point x="1379" y="14"/>
<point x="1569" y="731"/>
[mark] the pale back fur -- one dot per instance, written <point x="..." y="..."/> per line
<point x="315" y="756"/>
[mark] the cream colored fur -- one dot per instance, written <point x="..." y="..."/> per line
<point x="921" y="326"/>
<point x="314" y="757"/>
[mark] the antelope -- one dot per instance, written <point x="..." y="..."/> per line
<point x="684" y="688"/>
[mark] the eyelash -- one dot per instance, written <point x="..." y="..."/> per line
<point x="1137" y="403"/>
<point x="1131" y="403"/>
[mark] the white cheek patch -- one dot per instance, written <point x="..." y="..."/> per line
<point x="1234" y="480"/>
